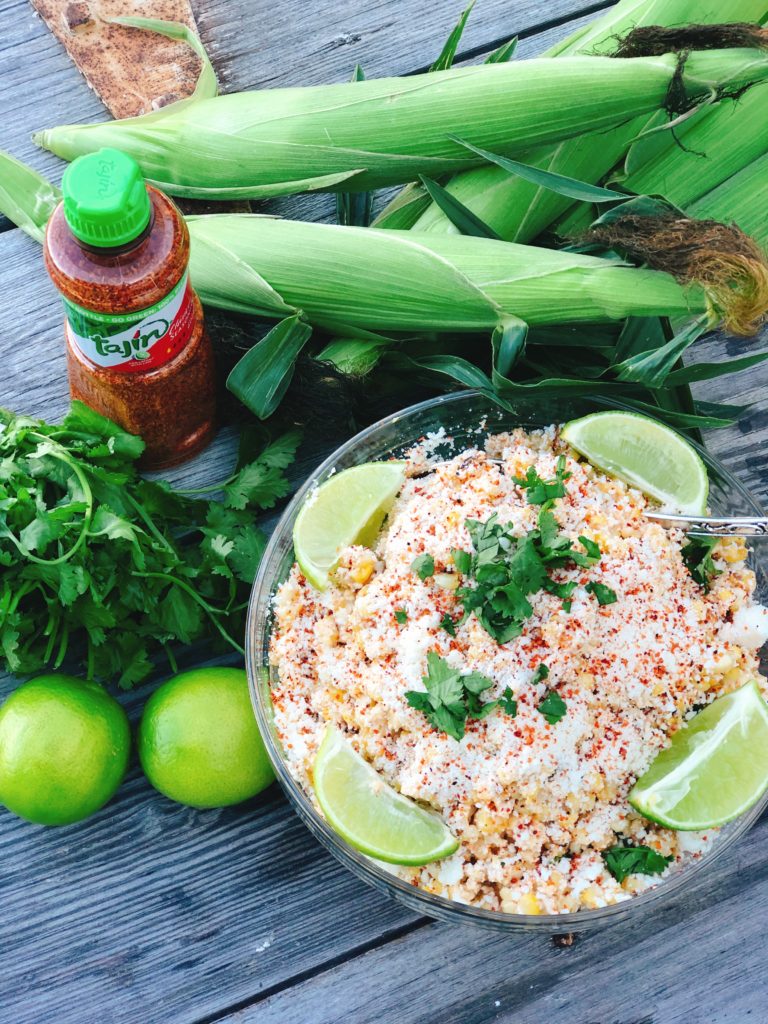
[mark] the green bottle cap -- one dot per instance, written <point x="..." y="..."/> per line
<point x="105" y="199"/>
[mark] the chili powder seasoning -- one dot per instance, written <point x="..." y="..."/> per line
<point x="137" y="350"/>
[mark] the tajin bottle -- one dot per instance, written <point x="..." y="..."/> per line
<point x="137" y="350"/>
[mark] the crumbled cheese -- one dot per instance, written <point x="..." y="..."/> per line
<point x="533" y="804"/>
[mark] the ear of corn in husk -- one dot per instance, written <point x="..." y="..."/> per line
<point x="387" y="281"/>
<point x="705" y="152"/>
<point x="519" y="210"/>
<point x="362" y="135"/>
<point x="742" y="199"/>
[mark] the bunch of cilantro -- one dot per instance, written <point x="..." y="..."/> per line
<point x="105" y="569"/>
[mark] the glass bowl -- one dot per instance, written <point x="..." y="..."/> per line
<point x="466" y="417"/>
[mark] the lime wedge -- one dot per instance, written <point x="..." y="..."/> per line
<point x="348" y="508"/>
<point x="644" y="453"/>
<point x="715" y="768"/>
<point x="369" y="814"/>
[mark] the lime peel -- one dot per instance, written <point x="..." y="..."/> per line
<point x="645" y="454"/>
<point x="715" y="768"/>
<point x="369" y="814"/>
<point x="348" y="508"/>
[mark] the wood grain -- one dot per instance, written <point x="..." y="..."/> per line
<point x="697" y="960"/>
<point x="155" y="914"/>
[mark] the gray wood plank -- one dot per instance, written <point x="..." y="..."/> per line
<point x="156" y="913"/>
<point x="697" y="960"/>
<point x="149" y="891"/>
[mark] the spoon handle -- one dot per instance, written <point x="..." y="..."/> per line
<point x="714" y="526"/>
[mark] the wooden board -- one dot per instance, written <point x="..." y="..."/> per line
<point x="155" y="914"/>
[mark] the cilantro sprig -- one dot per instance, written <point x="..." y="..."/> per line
<point x="505" y="569"/>
<point x="451" y="699"/>
<point x="107" y="569"/>
<point x="544" y="492"/>
<point x="622" y="861"/>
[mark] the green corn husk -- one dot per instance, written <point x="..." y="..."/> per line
<point x="392" y="281"/>
<point x="707" y="150"/>
<point x="710" y="147"/>
<point x="741" y="199"/>
<point x="519" y="210"/>
<point x="363" y="135"/>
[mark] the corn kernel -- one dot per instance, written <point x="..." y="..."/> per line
<point x="446" y="580"/>
<point x="731" y="550"/>
<point x="529" y="904"/>
<point x="362" y="571"/>
<point x="590" y="899"/>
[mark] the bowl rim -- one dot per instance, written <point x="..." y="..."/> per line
<point x="372" y="871"/>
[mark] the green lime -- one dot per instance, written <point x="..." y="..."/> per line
<point x="371" y="815"/>
<point x="64" y="746"/>
<point x="644" y="453"/>
<point x="199" y="743"/>
<point x="348" y="508"/>
<point x="715" y="768"/>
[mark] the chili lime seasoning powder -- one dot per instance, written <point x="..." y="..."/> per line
<point x="137" y="350"/>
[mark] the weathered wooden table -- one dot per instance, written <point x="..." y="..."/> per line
<point x="152" y="913"/>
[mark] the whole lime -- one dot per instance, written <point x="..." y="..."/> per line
<point x="198" y="739"/>
<point x="64" y="747"/>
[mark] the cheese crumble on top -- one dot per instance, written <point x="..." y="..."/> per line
<point x="532" y="804"/>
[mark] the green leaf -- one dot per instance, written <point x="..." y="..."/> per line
<point x="508" y="702"/>
<point x="603" y="593"/>
<point x="448" y="53"/>
<point x="256" y="484"/>
<point x="564" y="186"/>
<point x="106" y="524"/>
<point x="262" y="376"/>
<point x="180" y="615"/>
<point x="462" y="560"/>
<point x="245" y="556"/>
<point x="508" y="347"/>
<point x="423" y="566"/>
<point x="401" y="616"/>
<point x="651" y="368"/>
<point x="697" y="555"/>
<point x="622" y="861"/>
<point x="447" y="624"/>
<point x="504" y="53"/>
<point x="457" y="213"/>
<point x="541" y="673"/>
<point x="553" y="707"/>
<point x="82" y="419"/>
<point x="708" y="371"/>
<point x="207" y="85"/>
<point x="26" y="198"/>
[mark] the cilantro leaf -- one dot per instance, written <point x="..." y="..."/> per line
<point x="622" y="861"/>
<point x="508" y="702"/>
<point x="450" y="698"/>
<point x="448" y="624"/>
<point x="553" y="707"/>
<point x="462" y="560"/>
<point x="541" y="673"/>
<point x="423" y="566"/>
<point x="603" y="593"/>
<point x="697" y="555"/>
<point x="401" y="616"/>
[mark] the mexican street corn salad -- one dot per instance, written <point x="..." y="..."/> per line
<point x="513" y="652"/>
